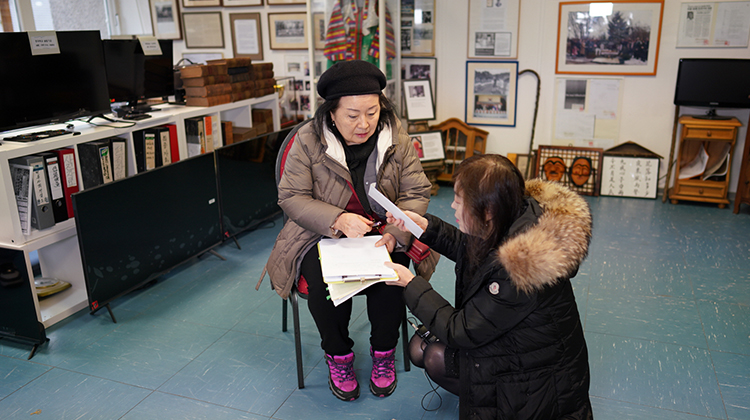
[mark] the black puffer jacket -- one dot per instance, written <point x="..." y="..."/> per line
<point x="516" y="323"/>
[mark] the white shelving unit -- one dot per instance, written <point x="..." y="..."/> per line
<point x="57" y="246"/>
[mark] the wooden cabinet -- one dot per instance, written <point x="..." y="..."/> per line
<point x="700" y="136"/>
<point x="460" y="142"/>
<point x="743" y="186"/>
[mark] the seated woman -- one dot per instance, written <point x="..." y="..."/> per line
<point x="513" y="345"/>
<point x="354" y="140"/>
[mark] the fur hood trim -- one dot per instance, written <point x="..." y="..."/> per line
<point x="555" y="246"/>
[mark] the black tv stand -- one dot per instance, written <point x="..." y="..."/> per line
<point x="711" y="115"/>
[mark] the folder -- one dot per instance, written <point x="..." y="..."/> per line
<point x="174" y="149"/>
<point x="350" y="265"/>
<point x="144" y="146"/>
<point x="23" y="190"/>
<point x="193" y="136"/>
<point x="67" y="159"/>
<point x="119" y="158"/>
<point x="208" y="132"/>
<point x="41" y="203"/>
<point x="164" y="146"/>
<point x="96" y="163"/>
<point x="54" y="178"/>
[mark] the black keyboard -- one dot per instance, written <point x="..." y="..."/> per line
<point x="136" y="117"/>
<point x="39" y="135"/>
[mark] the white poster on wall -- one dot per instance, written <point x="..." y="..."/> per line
<point x="716" y="24"/>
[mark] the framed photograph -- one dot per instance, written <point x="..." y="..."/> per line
<point x="421" y="69"/>
<point x="578" y="168"/>
<point x="493" y="28"/>
<point x="630" y="176"/>
<point x="287" y="31"/>
<point x="238" y="3"/>
<point x="200" y="3"/>
<point x="246" y="35"/>
<point x="418" y="100"/>
<point x="491" y="92"/>
<point x="524" y="164"/>
<point x="203" y="30"/>
<point x="429" y="145"/>
<point x="620" y="37"/>
<point x="165" y="19"/>
<point x="319" y="30"/>
<point x="418" y="28"/>
<point x="272" y="2"/>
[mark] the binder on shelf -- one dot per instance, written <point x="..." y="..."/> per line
<point x="164" y="146"/>
<point x="54" y="178"/>
<point x="119" y="158"/>
<point x="174" y="149"/>
<point x="67" y="160"/>
<point x="22" y="189"/>
<point x="350" y="265"/>
<point x="96" y="163"/>
<point x="193" y="133"/>
<point x="208" y="132"/>
<point x="216" y="130"/>
<point x="144" y="146"/>
<point x="41" y="204"/>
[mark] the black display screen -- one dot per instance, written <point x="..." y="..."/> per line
<point x="132" y="75"/>
<point x="51" y="88"/>
<point x="713" y="83"/>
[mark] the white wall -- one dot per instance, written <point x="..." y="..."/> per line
<point x="647" y="110"/>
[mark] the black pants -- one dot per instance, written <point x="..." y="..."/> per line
<point x="385" y="309"/>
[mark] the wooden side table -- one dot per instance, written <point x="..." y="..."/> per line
<point x="703" y="133"/>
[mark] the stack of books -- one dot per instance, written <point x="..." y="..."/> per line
<point x="206" y="84"/>
<point x="264" y="80"/>
<point x="240" y="78"/>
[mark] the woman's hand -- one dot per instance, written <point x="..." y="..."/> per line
<point x="388" y="240"/>
<point x="419" y="220"/>
<point x="404" y="275"/>
<point x="352" y="225"/>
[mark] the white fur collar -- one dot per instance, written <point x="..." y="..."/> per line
<point x="336" y="150"/>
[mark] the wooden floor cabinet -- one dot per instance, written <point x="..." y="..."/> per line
<point x="709" y="134"/>
<point x="460" y="141"/>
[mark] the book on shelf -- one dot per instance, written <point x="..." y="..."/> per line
<point x="201" y="70"/>
<point x="40" y="205"/>
<point x="174" y="149"/>
<point x="23" y="190"/>
<point x="232" y="62"/>
<point x="208" y="100"/>
<point x="241" y="77"/>
<point x="119" y="158"/>
<point x="56" y="190"/>
<point x="193" y="134"/>
<point x="238" y="70"/>
<point x="216" y="130"/>
<point x="227" y="132"/>
<point x="208" y="133"/>
<point x="164" y="145"/>
<point x="209" y="90"/>
<point x="144" y="148"/>
<point x="96" y="163"/>
<point x="206" y="80"/>
<point x="67" y="160"/>
<point x="264" y="83"/>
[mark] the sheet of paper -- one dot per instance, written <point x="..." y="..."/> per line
<point x="395" y="211"/>
<point x="354" y="259"/>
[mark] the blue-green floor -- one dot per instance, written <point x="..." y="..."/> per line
<point x="664" y="296"/>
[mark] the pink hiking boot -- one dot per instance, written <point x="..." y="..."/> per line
<point x="341" y="377"/>
<point x="383" y="377"/>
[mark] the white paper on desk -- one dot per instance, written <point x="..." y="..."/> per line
<point x="354" y="260"/>
<point x="395" y="211"/>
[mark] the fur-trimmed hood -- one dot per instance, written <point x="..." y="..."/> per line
<point x="555" y="246"/>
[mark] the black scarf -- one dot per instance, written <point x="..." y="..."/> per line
<point x="356" y="159"/>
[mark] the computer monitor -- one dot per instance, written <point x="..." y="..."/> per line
<point x="713" y="83"/>
<point x="51" y="88"/>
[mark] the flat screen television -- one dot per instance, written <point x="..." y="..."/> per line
<point x="713" y="83"/>
<point x="51" y="88"/>
<point x="136" y="229"/>
<point x="133" y="76"/>
<point x="247" y="182"/>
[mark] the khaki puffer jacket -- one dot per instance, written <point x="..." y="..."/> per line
<point x="314" y="190"/>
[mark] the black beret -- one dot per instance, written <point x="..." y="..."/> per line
<point x="348" y="78"/>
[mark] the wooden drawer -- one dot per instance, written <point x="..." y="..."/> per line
<point x="701" y="190"/>
<point x="709" y="133"/>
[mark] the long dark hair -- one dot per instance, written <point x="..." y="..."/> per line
<point x="492" y="190"/>
<point x="322" y="118"/>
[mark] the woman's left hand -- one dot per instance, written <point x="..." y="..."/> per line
<point x="388" y="240"/>
<point x="404" y="275"/>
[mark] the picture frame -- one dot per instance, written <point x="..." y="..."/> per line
<point x="272" y="2"/>
<point x="165" y="19"/>
<point x="630" y="176"/>
<point x="634" y="54"/>
<point x="200" y="3"/>
<point x="418" y="28"/>
<point x="421" y="68"/>
<point x="319" y="31"/>
<point x="524" y="163"/>
<point x="429" y="145"/>
<point x="247" y="38"/>
<point x="287" y="30"/>
<point x="578" y="168"/>
<point x="242" y="3"/>
<point x="418" y="103"/>
<point x="203" y="30"/>
<point x="491" y="93"/>
<point x="493" y="29"/>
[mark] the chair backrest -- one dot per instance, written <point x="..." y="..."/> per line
<point x="284" y="149"/>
